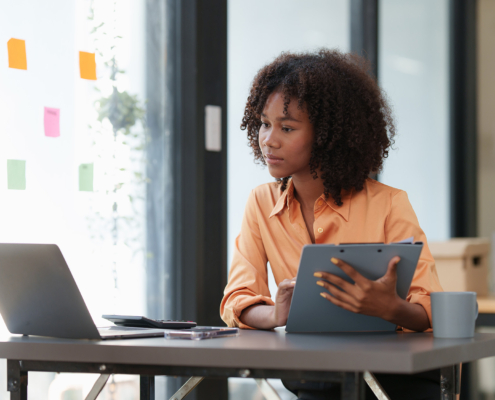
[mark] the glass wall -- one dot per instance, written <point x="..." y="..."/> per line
<point x="73" y="159"/>
<point x="258" y="31"/>
<point x="414" y="72"/>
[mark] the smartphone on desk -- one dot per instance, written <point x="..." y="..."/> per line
<point x="200" y="333"/>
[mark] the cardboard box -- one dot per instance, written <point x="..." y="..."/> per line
<point x="462" y="264"/>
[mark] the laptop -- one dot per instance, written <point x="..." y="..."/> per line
<point x="38" y="296"/>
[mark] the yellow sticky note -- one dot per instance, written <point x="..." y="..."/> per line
<point x="87" y="65"/>
<point x="17" y="53"/>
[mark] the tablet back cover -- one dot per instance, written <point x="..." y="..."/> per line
<point x="310" y="312"/>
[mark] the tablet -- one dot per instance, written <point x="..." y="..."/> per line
<point x="310" y="312"/>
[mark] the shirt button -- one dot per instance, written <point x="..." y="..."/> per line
<point x="320" y="202"/>
<point x="320" y="230"/>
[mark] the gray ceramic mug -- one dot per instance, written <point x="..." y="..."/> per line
<point x="454" y="314"/>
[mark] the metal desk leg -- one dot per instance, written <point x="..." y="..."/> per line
<point x="352" y="386"/>
<point x="17" y="380"/>
<point x="267" y="390"/>
<point x="375" y="386"/>
<point x="98" y="387"/>
<point x="450" y="383"/>
<point x="187" y="388"/>
<point x="147" y="390"/>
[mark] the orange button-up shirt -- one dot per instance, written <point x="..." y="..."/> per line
<point x="273" y="230"/>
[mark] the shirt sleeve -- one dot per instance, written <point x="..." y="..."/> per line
<point x="401" y="224"/>
<point x="248" y="279"/>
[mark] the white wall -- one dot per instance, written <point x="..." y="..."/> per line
<point x="413" y="71"/>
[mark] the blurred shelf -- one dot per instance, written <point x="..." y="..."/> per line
<point x="486" y="305"/>
<point x="486" y="309"/>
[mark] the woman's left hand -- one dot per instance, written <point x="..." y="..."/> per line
<point x="376" y="298"/>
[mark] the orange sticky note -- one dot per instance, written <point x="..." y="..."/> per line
<point x="17" y="53"/>
<point x="87" y="65"/>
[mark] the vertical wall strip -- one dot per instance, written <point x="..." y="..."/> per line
<point x="200" y="189"/>
<point x="364" y="30"/>
<point x="463" y="148"/>
<point x="364" y="36"/>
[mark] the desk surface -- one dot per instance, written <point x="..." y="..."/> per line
<point x="377" y="352"/>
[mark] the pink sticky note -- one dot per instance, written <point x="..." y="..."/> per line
<point x="52" y="122"/>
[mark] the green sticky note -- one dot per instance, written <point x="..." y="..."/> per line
<point x="86" y="177"/>
<point x="16" y="174"/>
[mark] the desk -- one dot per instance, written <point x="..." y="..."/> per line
<point x="254" y="354"/>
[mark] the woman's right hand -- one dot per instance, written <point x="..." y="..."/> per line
<point x="261" y="316"/>
<point x="282" y="301"/>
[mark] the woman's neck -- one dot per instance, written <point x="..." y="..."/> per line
<point x="307" y="190"/>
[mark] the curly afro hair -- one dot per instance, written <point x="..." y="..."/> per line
<point x="352" y="121"/>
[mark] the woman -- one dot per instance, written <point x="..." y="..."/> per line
<point x="322" y="125"/>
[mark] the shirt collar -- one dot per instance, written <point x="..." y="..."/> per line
<point x="288" y="194"/>
<point x="284" y="199"/>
